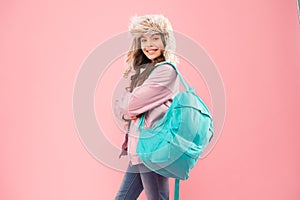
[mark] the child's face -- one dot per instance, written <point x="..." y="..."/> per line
<point x="152" y="45"/>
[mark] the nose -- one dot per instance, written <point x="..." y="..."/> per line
<point x="149" y="43"/>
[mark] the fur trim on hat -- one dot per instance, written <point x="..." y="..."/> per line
<point x="152" y="24"/>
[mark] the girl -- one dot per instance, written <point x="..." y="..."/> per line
<point x="150" y="92"/>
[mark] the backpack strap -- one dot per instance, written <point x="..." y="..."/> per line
<point x="184" y="83"/>
<point x="176" y="189"/>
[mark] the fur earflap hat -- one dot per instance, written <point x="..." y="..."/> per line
<point x="152" y="24"/>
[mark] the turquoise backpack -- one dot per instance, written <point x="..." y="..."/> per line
<point x="173" y="146"/>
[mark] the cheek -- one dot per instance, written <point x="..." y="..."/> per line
<point x="160" y="52"/>
<point x="161" y="46"/>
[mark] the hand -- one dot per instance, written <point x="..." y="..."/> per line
<point x="126" y="117"/>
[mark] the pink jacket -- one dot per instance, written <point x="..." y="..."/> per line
<point x="153" y="97"/>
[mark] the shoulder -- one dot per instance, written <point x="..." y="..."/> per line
<point x="164" y="74"/>
<point x="164" y="69"/>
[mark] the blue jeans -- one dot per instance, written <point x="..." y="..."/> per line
<point x="137" y="178"/>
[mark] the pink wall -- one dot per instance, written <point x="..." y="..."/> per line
<point x="255" y="45"/>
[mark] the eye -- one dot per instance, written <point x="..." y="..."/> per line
<point x="156" y="38"/>
<point x="143" y="40"/>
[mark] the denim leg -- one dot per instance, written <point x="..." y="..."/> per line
<point x="156" y="186"/>
<point x="131" y="186"/>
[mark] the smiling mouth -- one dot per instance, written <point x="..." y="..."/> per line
<point x="151" y="51"/>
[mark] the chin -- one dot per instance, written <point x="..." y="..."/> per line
<point x="153" y="57"/>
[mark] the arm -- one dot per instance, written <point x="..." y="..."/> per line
<point x="154" y="91"/>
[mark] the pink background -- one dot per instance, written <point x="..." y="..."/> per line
<point x="255" y="45"/>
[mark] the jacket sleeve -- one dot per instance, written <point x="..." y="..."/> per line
<point x="153" y="92"/>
